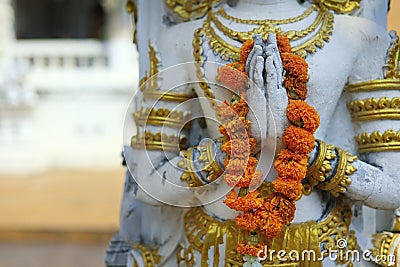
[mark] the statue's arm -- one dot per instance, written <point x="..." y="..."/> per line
<point x="371" y="102"/>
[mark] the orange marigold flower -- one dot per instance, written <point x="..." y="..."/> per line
<point x="248" y="221"/>
<point x="225" y="112"/>
<point x="283" y="44"/>
<point x="291" y="165"/>
<point x="291" y="189"/>
<point x="298" y="140"/>
<point x="299" y="111"/>
<point x="281" y="208"/>
<point x="295" y="86"/>
<point x="239" y="148"/>
<point x="241" y="108"/>
<point x="238" y="66"/>
<point x="271" y="228"/>
<point x="249" y="202"/>
<point x="295" y="66"/>
<point x="250" y="180"/>
<point x="245" y="50"/>
<point x="232" y="78"/>
<point x="239" y="165"/>
<point x="247" y="249"/>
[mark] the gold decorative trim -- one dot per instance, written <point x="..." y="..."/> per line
<point x="378" y="142"/>
<point x="149" y="82"/>
<point x="383" y="244"/>
<point x="151" y="257"/>
<point x="321" y="167"/>
<point x="228" y="51"/>
<point x="373" y="109"/>
<point x="190" y="9"/>
<point x="189" y="175"/>
<point x="204" y="232"/>
<point x="340" y="181"/>
<point x="392" y="65"/>
<point x="167" y="96"/>
<point x="374" y="85"/>
<point x="210" y="164"/>
<point x="162" y="117"/>
<point x="339" y="6"/>
<point x="158" y="141"/>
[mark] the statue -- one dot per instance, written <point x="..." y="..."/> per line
<point x="322" y="70"/>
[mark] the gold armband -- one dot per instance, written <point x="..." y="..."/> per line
<point x="151" y="257"/>
<point x="190" y="174"/>
<point x="159" y="141"/>
<point x="340" y="179"/>
<point x="210" y="164"/>
<point x="378" y="142"/>
<point x="374" y="109"/>
<point x="162" y="117"/>
<point x="322" y="175"/>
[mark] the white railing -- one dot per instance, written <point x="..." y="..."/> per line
<point x="61" y="54"/>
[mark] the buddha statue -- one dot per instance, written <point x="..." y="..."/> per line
<point x="333" y="59"/>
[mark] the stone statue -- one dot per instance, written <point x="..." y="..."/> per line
<point x="353" y="83"/>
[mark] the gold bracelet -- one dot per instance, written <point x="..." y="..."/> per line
<point x="340" y="180"/>
<point x="162" y="117"/>
<point x="151" y="257"/>
<point x="378" y="141"/>
<point x="373" y="109"/>
<point x="210" y="164"/>
<point x="189" y="175"/>
<point x="321" y="167"/>
<point x="158" y="141"/>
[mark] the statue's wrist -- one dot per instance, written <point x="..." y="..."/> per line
<point x="203" y="164"/>
<point x="329" y="169"/>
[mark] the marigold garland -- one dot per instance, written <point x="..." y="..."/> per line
<point x="266" y="215"/>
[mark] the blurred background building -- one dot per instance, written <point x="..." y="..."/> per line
<point x="68" y="69"/>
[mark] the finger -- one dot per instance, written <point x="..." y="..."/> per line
<point x="271" y="76"/>
<point x="258" y="73"/>
<point x="257" y="52"/>
<point x="271" y="39"/>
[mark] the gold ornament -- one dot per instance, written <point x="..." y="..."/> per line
<point x="210" y="164"/>
<point x="374" y="85"/>
<point x="392" y="65"/>
<point x="149" y="83"/>
<point x="383" y="244"/>
<point x="158" y="141"/>
<point x="373" y="109"/>
<point x="321" y="167"/>
<point x="162" y="117"/>
<point x="204" y="232"/>
<point x="339" y="6"/>
<point x="190" y="9"/>
<point x="378" y="141"/>
<point x="190" y="174"/>
<point x="228" y="51"/>
<point x="151" y="257"/>
<point x="340" y="181"/>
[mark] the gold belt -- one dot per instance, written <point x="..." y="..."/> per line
<point x="204" y="232"/>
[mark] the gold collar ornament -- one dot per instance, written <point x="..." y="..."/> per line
<point x="193" y="9"/>
<point x="315" y="35"/>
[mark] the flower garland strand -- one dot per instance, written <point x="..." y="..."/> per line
<point x="266" y="215"/>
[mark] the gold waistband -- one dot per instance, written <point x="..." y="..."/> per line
<point x="204" y="232"/>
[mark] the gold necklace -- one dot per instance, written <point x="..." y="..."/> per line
<point x="302" y="16"/>
<point x="227" y="51"/>
<point x="267" y="27"/>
